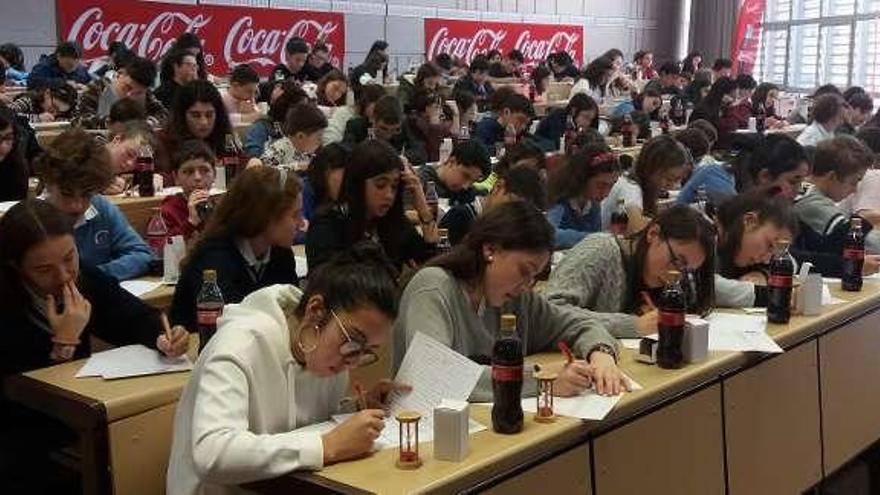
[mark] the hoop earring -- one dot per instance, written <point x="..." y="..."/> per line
<point x="312" y="348"/>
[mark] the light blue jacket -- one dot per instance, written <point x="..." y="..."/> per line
<point x="107" y="241"/>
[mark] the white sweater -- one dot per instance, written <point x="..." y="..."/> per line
<point x="235" y="420"/>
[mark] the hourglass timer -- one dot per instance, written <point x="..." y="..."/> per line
<point x="544" y="412"/>
<point x="408" y="450"/>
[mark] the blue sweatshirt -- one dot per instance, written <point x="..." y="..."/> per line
<point x="719" y="184"/>
<point x="106" y="240"/>
<point x="48" y="71"/>
<point x="572" y="225"/>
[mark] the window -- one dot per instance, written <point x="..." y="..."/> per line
<point x="806" y="43"/>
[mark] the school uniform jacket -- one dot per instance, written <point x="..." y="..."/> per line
<point x="235" y="276"/>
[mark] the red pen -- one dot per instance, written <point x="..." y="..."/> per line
<point x="361" y="396"/>
<point x="566" y="351"/>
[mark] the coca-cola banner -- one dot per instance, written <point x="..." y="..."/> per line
<point x="747" y="35"/>
<point x="230" y="35"/>
<point x="466" y="39"/>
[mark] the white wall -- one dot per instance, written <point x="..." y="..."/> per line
<point x="629" y="25"/>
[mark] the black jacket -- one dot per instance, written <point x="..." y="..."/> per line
<point x="357" y="130"/>
<point x="166" y="92"/>
<point x="233" y="276"/>
<point x="117" y="317"/>
<point x="482" y="93"/>
<point x="329" y="234"/>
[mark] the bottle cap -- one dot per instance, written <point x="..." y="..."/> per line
<point x="855" y="221"/>
<point x="443" y="232"/>
<point x="673" y="276"/>
<point x="783" y="242"/>
<point x="209" y="275"/>
<point x="508" y="323"/>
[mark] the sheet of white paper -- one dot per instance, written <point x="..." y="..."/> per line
<point x="832" y="280"/>
<point x="435" y="372"/>
<point x="589" y="405"/>
<point x="827" y="298"/>
<point x="745" y="333"/>
<point x="737" y="332"/>
<point x="6" y="205"/>
<point x="131" y="360"/>
<point x="389" y="438"/>
<point x="139" y="287"/>
<point x="302" y="266"/>
<point x="755" y="311"/>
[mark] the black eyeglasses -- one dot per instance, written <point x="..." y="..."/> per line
<point x="354" y="350"/>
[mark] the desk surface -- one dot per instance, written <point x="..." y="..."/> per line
<point x="494" y="452"/>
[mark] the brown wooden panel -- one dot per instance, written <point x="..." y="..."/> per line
<point x="772" y="423"/>
<point x="677" y="449"/>
<point x="849" y="360"/>
<point x="139" y="450"/>
<point x="566" y="473"/>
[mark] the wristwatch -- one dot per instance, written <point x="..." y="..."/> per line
<point x="605" y="349"/>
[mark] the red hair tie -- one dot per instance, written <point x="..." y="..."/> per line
<point x="603" y="158"/>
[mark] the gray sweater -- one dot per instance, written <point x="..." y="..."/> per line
<point x="592" y="277"/>
<point x="436" y="304"/>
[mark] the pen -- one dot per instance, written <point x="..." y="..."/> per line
<point x="361" y="396"/>
<point x="167" y="328"/>
<point x="566" y="351"/>
<point x="648" y="302"/>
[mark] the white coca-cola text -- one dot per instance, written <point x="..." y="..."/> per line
<point x="150" y="40"/>
<point x="245" y="44"/>
<point x="537" y="50"/>
<point x="244" y="41"/>
<point x="465" y="48"/>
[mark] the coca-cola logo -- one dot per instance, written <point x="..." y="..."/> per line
<point x="463" y="47"/>
<point x="537" y="50"/>
<point x="150" y="40"/>
<point x="246" y="44"/>
<point x="230" y="35"/>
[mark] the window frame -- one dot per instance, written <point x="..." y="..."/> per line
<point x="823" y="22"/>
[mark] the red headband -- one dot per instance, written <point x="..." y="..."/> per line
<point x="603" y="158"/>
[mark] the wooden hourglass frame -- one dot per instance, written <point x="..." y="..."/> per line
<point x="408" y="436"/>
<point x="544" y="411"/>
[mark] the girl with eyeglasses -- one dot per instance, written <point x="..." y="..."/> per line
<point x="577" y="191"/>
<point x="280" y="362"/>
<point x="660" y="167"/>
<point x="459" y="298"/>
<point x="616" y="280"/>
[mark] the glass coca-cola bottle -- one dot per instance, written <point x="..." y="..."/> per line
<point x="143" y="172"/>
<point x="779" y="284"/>
<point x="670" y="323"/>
<point x="853" y="257"/>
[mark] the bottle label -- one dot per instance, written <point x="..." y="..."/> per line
<point x="507" y="373"/>
<point x="671" y="318"/>
<point x="208" y="317"/>
<point x="783" y="281"/>
<point x="230" y="161"/>
<point x="853" y="254"/>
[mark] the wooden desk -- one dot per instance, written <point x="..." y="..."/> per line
<point x="736" y="423"/>
<point x="124" y="426"/>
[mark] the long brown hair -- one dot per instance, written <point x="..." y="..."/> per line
<point x="516" y="225"/>
<point x="658" y="154"/>
<point x="25" y="225"/>
<point x="258" y="196"/>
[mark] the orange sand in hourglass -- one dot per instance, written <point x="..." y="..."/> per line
<point x="544" y="398"/>
<point x="408" y="449"/>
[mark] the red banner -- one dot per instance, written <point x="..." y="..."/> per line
<point x="747" y="36"/>
<point x="466" y="39"/>
<point x="230" y="35"/>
